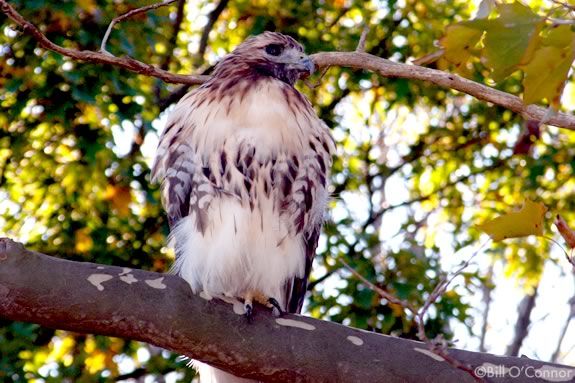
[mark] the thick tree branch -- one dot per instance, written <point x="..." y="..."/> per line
<point x="160" y="309"/>
<point x="357" y="60"/>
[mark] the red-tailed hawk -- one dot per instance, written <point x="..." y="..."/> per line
<point x="245" y="163"/>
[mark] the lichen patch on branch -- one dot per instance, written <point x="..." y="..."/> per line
<point x="431" y="354"/>
<point x="355" y="340"/>
<point x="156" y="283"/>
<point x="295" y="323"/>
<point x="239" y="307"/>
<point x="98" y="279"/>
<point x="125" y="271"/>
<point x="128" y="278"/>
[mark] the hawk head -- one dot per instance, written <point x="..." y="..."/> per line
<point x="268" y="54"/>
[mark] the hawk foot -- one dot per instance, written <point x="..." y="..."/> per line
<point x="256" y="296"/>
<point x="275" y="305"/>
<point x="249" y="311"/>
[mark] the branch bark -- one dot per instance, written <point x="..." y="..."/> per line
<point x="357" y="60"/>
<point x="157" y="308"/>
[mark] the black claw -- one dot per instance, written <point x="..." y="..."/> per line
<point x="276" y="305"/>
<point x="249" y="312"/>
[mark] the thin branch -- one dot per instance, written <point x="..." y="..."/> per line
<point x="98" y="57"/>
<point x="127" y="15"/>
<point x="482" y="92"/>
<point x="357" y="60"/>
<point x="564" y="5"/>
<point x="487" y="299"/>
<point x="525" y="309"/>
<point x="362" y="39"/>
<point x="174" y="37"/>
<point x="172" y="43"/>
<point x="338" y="17"/>
<point x="137" y="373"/>
<point x="560" y="21"/>
<point x="212" y="18"/>
<point x="557" y="351"/>
<point x="381" y="292"/>
<point x="441" y="287"/>
<point x="429" y="58"/>
<point x="434" y="193"/>
<point x="312" y="284"/>
<point x="437" y="346"/>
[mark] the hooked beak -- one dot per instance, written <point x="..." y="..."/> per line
<point x="300" y="62"/>
<point x="308" y="65"/>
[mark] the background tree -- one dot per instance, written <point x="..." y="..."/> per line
<point x="417" y="166"/>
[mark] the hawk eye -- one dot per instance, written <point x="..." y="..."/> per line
<point x="274" y="49"/>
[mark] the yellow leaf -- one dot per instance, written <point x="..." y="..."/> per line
<point x="458" y="42"/>
<point x="559" y="36"/>
<point x="84" y="242"/>
<point x="527" y="221"/>
<point x="61" y="347"/>
<point x="547" y="71"/>
<point x="120" y="196"/>
<point x="397" y="310"/>
<point x="89" y="6"/>
<point x="95" y="362"/>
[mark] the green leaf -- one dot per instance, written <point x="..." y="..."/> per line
<point x="511" y="39"/>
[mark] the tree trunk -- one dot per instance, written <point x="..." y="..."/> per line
<point x="523" y="321"/>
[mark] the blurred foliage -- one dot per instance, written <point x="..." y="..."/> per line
<point x="416" y="167"/>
